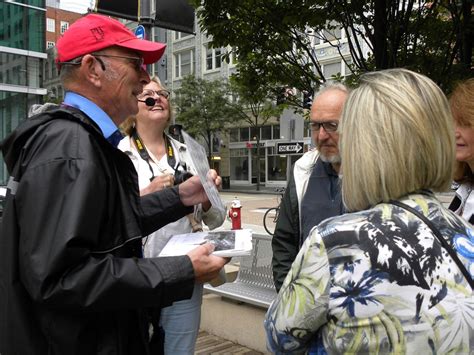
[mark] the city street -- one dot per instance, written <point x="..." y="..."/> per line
<point x="254" y="207"/>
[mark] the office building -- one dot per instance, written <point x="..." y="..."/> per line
<point x="22" y="52"/>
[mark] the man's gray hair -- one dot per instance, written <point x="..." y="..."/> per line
<point x="327" y="86"/>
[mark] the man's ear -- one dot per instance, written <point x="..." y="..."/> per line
<point x="91" y="70"/>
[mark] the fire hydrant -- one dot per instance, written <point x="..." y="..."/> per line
<point x="234" y="214"/>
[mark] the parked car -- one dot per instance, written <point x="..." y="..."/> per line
<point x="3" y="193"/>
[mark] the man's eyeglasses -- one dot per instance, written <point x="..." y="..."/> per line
<point x="151" y="93"/>
<point x="328" y="126"/>
<point x="136" y="61"/>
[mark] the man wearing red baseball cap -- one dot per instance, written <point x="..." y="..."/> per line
<point x="72" y="280"/>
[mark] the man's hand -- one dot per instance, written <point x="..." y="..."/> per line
<point x="191" y="192"/>
<point x="159" y="183"/>
<point x="206" y="266"/>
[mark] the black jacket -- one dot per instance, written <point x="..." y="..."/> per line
<point x="71" y="277"/>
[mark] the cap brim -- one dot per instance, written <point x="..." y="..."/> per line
<point x="151" y="51"/>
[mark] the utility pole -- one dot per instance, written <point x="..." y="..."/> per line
<point x="147" y="21"/>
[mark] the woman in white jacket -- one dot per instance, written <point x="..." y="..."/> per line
<point x="161" y="162"/>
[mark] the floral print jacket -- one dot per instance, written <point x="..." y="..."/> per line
<point x="378" y="281"/>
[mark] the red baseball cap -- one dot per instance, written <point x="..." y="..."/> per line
<point x="94" y="32"/>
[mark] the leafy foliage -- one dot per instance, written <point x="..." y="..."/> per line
<point x="204" y="107"/>
<point x="273" y="38"/>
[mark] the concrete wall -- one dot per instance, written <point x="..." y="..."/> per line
<point x="240" y="323"/>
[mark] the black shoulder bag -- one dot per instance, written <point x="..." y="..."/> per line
<point x="438" y="235"/>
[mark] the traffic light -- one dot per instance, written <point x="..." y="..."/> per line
<point x="307" y="98"/>
<point x="280" y="99"/>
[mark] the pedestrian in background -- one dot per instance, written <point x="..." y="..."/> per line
<point x="72" y="280"/>
<point x="462" y="107"/>
<point x="163" y="162"/>
<point x="313" y="192"/>
<point x="391" y="277"/>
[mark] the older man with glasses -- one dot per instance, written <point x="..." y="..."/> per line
<point x="313" y="192"/>
<point x="72" y="280"/>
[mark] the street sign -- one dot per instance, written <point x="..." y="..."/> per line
<point x="290" y="148"/>
<point x="140" y="32"/>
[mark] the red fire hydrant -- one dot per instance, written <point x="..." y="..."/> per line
<point x="234" y="214"/>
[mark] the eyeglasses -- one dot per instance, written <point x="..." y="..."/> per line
<point x="151" y="93"/>
<point x="136" y="61"/>
<point x="328" y="126"/>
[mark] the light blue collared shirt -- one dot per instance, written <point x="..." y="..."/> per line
<point x="95" y="113"/>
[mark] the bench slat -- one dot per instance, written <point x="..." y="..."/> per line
<point x="254" y="282"/>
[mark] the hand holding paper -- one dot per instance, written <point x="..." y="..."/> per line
<point x="206" y="266"/>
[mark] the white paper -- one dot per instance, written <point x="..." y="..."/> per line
<point x="199" y="158"/>
<point x="227" y="243"/>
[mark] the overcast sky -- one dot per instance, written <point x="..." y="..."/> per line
<point x="79" y="6"/>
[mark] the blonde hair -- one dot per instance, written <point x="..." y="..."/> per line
<point x="396" y="138"/>
<point x="127" y="125"/>
<point x="462" y="107"/>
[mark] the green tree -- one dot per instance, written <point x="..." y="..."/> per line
<point x="432" y="37"/>
<point x="204" y="107"/>
<point x="255" y="105"/>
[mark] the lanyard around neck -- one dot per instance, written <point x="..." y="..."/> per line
<point x="146" y="156"/>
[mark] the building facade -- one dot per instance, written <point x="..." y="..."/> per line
<point x="57" y="22"/>
<point x="22" y="52"/>
<point x="237" y="157"/>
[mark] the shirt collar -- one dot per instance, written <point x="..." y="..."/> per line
<point x="95" y="113"/>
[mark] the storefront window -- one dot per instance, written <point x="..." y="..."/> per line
<point x="254" y="133"/>
<point x="244" y="134"/>
<point x="267" y="132"/>
<point x="276" y="165"/>
<point x="276" y="132"/>
<point x="239" y="164"/>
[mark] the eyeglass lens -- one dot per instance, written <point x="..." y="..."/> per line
<point x="150" y="93"/>
<point x="137" y="62"/>
<point x="328" y="126"/>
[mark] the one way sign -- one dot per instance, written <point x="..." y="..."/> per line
<point x="290" y="148"/>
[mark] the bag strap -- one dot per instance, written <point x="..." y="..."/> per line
<point x="438" y="235"/>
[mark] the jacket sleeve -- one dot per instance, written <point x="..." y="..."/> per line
<point x="64" y="213"/>
<point x="302" y="305"/>
<point x="285" y="240"/>
<point x="161" y="208"/>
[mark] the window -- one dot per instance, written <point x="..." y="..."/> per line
<point x="234" y="135"/>
<point x="213" y="58"/>
<point x="331" y="69"/>
<point x="49" y="44"/>
<point x="50" y="25"/>
<point x="239" y="164"/>
<point x="276" y="131"/>
<point x="181" y="35"/>
<point x="184" y="63"/>
<point x="267" y="132"/>
<point x="64" y="26"/>
<point x="244" y="134"/>
<point x="254" y="133"/>
<point x="333" y="33"/>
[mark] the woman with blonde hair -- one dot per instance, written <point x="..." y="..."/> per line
<point x="391" y="276"/>
<point x="462" y="107"/>
<point x="161" y="162"/>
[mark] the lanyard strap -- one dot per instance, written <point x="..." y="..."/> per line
<point x="438" y="235"/>
<point x="144" y="152"/>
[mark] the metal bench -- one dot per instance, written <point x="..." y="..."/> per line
<point x="254" y="282"/>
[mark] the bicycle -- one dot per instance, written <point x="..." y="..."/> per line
<point x="271" y="215"/>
